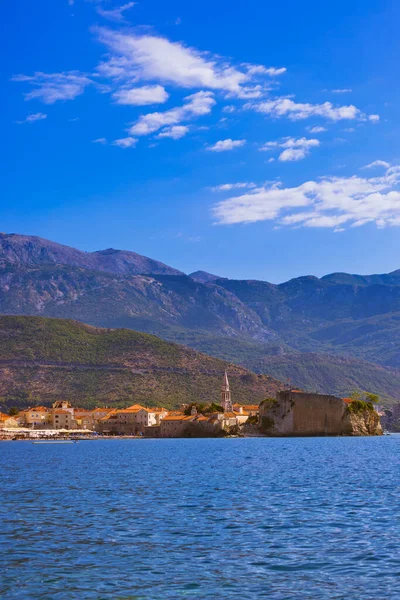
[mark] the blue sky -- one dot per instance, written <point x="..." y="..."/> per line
<point x="252" y="140"/>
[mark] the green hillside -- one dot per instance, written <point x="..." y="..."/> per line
<point x="43" y="360"/>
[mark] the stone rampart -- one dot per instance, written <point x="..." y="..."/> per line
<point x="295" y="413"/>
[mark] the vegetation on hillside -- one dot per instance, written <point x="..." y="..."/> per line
<point x="42" y="360"/>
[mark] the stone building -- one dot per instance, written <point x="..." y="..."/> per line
<point x="130" y="421"/>
<point x="296" y="413"/>
<point x="63" y="419"/>
<point x="7" y="422"/>
<point x="175" y="425"/>
<point x="37" y="417"/>
<point x="84" y="420"/>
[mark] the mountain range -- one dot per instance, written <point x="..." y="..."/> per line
<point x="328" y="334"/>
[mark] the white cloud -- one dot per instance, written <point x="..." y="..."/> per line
<point x="51" y="87"/>
<point x="175" y="132"/>
<point x="293" y="154"/>
<point x="127" y="142"/>
<point x="285" y="107"/>
<point x="224" y="145"/>
<point x="330" y="202"/>
<point x="342" y="91"/>
<point x="196" y="105"/>
<point x="317" y="129"/>
<point x="154" y="58"/>
<point x="227" y="187"/>
<point x="100" y="141"/>
<point x="377" y="163"/>
<point x="149" y="57"/>
<point x="294" y="149"/>
<point x="140" y="96"/>
<point x="116" y="14"/>
<point x="374" y="118"/>
<point x="33" y="118"/>
<point x="229" y="109"/>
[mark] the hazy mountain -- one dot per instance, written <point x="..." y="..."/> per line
<point x="139" y="302"/>
<point x="203" y="276"/>
<point x="311" y="314"/>
<point x="385" y="279"/>
<point x="24" y="250"/>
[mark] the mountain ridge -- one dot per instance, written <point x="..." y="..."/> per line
<point x="25" y="250"/>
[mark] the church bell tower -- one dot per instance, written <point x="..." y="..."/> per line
<point x="226" y="400"/>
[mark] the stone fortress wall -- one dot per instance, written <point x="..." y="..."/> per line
<point x="296" y="413"/>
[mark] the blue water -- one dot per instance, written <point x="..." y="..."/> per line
<point x="233" y="518"/>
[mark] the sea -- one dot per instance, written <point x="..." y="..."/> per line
<point x="240" y="518"/>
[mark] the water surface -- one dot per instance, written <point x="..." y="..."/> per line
<point x="312" y="518"/>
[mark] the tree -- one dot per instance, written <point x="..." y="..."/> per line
<point x="365" y="396"/>
<point x="374" y="398"/>
<point x="13" y="411"/>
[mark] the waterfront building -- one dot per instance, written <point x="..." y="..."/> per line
<point x="63" y="419"/>
<point x="99" y="413"/>
<point x="130" y="421"/>
<point x="37" y="417"/>
<point x="85" y="420"/>
<point x="7" y="422"/>
<point x="64" y="405"/>
<point x="175" y="425"/>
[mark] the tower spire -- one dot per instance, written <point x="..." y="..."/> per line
<point x="226" y="400"/>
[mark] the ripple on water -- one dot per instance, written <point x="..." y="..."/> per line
<point x="168" y="519"/>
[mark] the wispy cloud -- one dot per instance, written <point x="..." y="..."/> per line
<point x="140" y="96"/>
<point x="225" y="145"/>
<point x="295" y="111"/>
<point x="195" y="105"/>
<point x="33" y="118"/>
<point x="317" y="129"/>
<point x="102" y="140"/>
<point x="377" y="163"/>
<point x="329" y="202"/>
<point x="342" y="91"/>
<point x="115" y="14"/>
<point x="261" y="70"/>
<point x="227" y="187"/>
<point x="294" y="149"/>
<point x="51" y="87"/>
